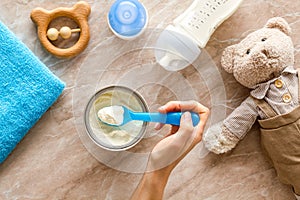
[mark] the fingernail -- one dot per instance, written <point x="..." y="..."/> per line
<point x="161" y="108"/>
<point x="187" y="116"/>
<point x="156" y="126"/>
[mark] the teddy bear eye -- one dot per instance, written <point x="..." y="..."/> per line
<point x="248" y="51"/>
<point x="264" y="39"/>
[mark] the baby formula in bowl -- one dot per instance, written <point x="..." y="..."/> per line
<point x="115" y="138"/>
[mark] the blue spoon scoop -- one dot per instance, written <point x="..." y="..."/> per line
<point x="120" y="115"/>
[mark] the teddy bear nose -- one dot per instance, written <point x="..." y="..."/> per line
<point x="265" y="52"/>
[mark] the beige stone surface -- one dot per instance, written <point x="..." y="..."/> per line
<point x="52" y="162"/>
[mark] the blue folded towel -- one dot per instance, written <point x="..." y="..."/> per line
<point x="27" y="90"/>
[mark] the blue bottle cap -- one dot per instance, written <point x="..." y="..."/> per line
<point x="127" y="18"/>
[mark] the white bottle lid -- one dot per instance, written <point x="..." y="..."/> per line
<point x="174" y="50"/>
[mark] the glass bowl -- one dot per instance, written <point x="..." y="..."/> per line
<point x="109" y="137"/>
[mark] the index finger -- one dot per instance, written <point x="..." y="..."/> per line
<point x="176" y="106"/>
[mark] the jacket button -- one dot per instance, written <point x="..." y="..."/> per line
<point x="287" y="98"/>
<point x="278" y="83"/>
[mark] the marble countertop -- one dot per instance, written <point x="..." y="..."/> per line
<point x="52" y="162"/>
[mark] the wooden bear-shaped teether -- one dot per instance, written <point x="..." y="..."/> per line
<point x="79" y="13"/>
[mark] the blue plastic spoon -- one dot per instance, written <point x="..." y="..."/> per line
<point x="172" y="118"/>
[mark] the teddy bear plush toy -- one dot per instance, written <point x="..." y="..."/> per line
<point x="263" y="62"/>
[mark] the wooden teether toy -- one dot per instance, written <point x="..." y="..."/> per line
<point x="79" y="13"/>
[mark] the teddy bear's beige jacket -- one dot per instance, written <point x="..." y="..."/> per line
<point x="276" y="102"/>
<point x="280" y="93"/>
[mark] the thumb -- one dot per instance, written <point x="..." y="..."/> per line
<point x="186" y="125"/>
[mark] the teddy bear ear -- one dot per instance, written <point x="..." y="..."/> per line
<point x="279" y="23"/>
<point x="227" y="58"/>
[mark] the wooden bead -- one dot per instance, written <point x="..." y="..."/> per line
<point x="52" y="34"/>
<point x="65" y="32"/>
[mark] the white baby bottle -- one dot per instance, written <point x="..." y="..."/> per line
<point x="179" y="44"/>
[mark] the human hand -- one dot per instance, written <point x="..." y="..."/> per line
<point x="172" y="149"/>
<point x="181" y="140"/>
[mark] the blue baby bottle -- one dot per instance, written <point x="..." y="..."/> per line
<point x="127" y="19"/>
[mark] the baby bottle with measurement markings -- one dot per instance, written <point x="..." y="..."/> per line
<point x="178" y="45"/>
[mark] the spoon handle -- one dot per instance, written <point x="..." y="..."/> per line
<point x="168" y="118"/>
